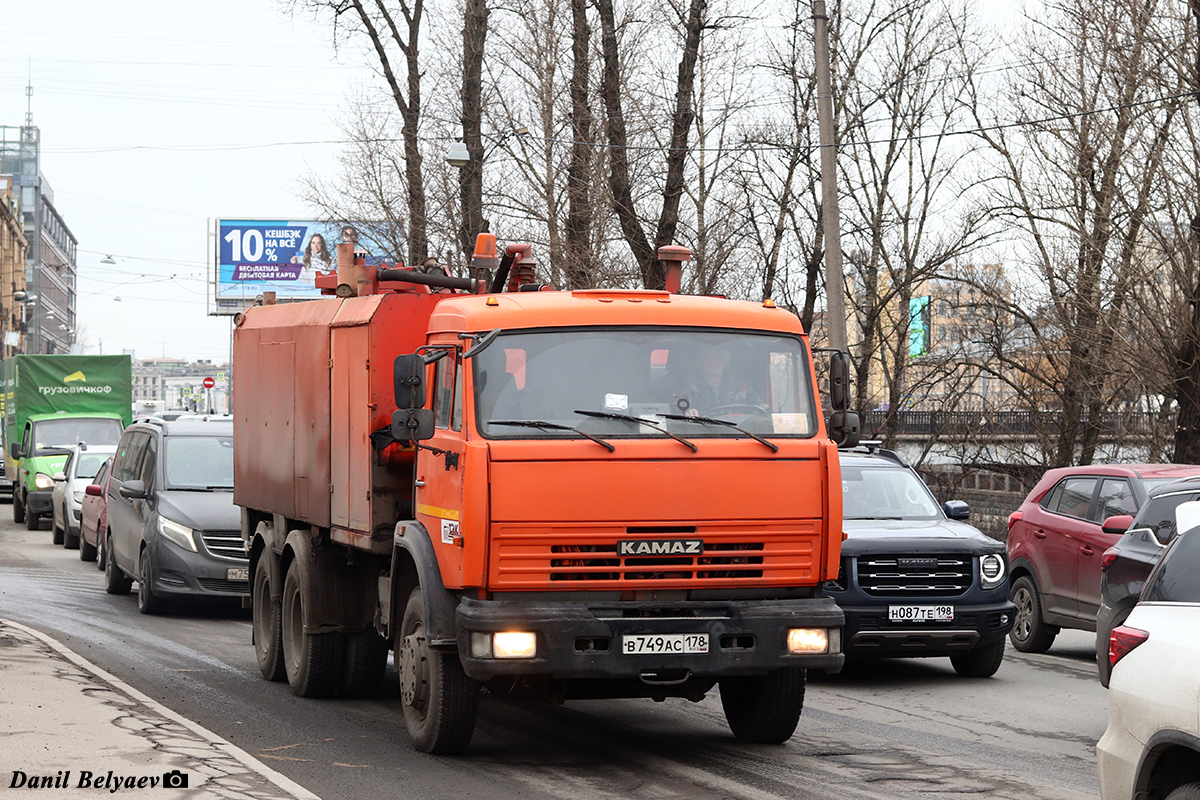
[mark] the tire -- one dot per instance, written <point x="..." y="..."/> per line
<point x="267" y="624"/>
<point x="364" y="661"/>
<point x="148" y="601"/>
<point x="115" y="581"/>
<point x="764" y="708"/>
<point x="18" y="507"/>
<point x="1030" y="633"/>
<point x="101" y="552"/>
<point x="87" y="551"/>
<point x="440" y="703"/>
<point x="1188" y="791"/>
<point x="70" y="540"/>
<point x="312" y="661"/>
<point x="33" y="522"/>
<point x="982" y="662"/>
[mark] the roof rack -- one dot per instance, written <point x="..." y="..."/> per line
<point x="874" y="447"/>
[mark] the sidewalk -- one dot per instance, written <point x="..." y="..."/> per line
<point x="68" y="726"/>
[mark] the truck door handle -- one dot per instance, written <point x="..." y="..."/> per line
<point x="419" y="483"/>
<point x="1039" y="534"/>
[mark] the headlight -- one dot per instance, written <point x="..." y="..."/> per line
<point x="507" y="644"/>
<point x="178" y="534"/>
<point x="43" y="481"/>
<point x="807" y="640"/>
<point x="78" y="496"/>
<point x="991" y="570"/>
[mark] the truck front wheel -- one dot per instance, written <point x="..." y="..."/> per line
<point x="440" y="702"/>
<point x="312" y="661"/>
<point x="268" y="635"/>
<point x="18" y="507"/>
<point x="764" y="708"/>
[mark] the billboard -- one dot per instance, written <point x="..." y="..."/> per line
<point x="920" y="326"/>
<point x="252" y="256"/>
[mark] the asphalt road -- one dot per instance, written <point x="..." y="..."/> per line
<point x="881" y="729"/>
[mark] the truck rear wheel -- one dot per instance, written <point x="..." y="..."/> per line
<point x="363" y="663"/>
<point x="268" y="626"/>
<point x="440" y="702"/>
<point x="312" y="661"/>
<point x="764" y="708"/>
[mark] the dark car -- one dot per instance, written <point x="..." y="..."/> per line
<point x="171" y="522"/>
<point x="1125" y="566"/>
<point x="915" y="579"/>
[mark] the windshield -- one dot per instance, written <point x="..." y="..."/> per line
<point x="761" y="382"/>
<point x="199" y="462"/>
<point x="885" y="493"/>
<point x="50" y="434"/>
<point x="90" y="463"/>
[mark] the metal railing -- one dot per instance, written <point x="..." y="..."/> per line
<point x="1001" y="424"/>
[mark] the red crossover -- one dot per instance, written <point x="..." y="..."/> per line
<point x="1057" y="537"/>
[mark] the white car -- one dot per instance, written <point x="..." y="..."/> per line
<point x="1151" y="749"/>
<point x="66" y="501"/>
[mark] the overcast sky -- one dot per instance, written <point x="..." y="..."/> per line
<point x="151" y="114"/>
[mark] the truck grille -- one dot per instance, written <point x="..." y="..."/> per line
<point x="766" y="555"/>
<point x="908" y="576"/>
<point x="226" y="544"/>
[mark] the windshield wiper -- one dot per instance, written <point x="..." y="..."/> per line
<point x="639" y="421"/>
<point x="554" y="426"/>
<point x="726" y="423"/>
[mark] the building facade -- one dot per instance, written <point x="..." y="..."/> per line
<point x="164" y="384"/>
<point x="14" y="255"/>
<point x="51" y="268"/>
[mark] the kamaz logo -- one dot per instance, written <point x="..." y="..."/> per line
<point x="662" y="547"/>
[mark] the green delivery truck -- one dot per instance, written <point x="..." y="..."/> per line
<point x="50" y="403"/>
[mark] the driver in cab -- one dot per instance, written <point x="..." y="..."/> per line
<point x="711" y="387"/>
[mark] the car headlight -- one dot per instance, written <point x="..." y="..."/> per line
<point x="991" y="570"/>
<point x="178" y="534"/>
<point x="78" y="496"/>
<point x="43" y="481"/>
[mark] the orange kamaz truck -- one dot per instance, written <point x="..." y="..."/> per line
<point x="550" y="494"/>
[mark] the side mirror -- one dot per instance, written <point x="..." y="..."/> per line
<point x="58" y="477"/>
<point x="844" y="428"/>
<point x="1118" y="524"/>
<point x="408" y="374"/>
<point x="839" y="382"/>
<point x="957" y="509"/>
<point x="412" y="424"/>
<point x="134" y="490"/>
<point x="15" y="450"/>
<point x="93" y="490"/>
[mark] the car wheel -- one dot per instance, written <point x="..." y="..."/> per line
<point x="115" y="581"/>
<point x="18" y="507"/>
<point x="101" y="559"/>
<point x="764" y="708"/>
<point x="148" y="601"/>
<point x="1189" y="791"/>
<point x="70" y="540"/>
<point x="267" y="627"/>
<point x="440" y="702"/>
<point x="982" y="662"/>
<point x="87" y="551"/>
<point x="1030" y="633"/>
<point x="313" y="661"/>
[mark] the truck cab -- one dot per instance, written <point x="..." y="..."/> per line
<point x="46" y="440"/>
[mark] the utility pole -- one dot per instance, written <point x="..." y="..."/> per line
<point x="835" y="301"/>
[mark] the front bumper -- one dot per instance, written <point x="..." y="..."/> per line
<point x="39" y="502"/>
<point x="580" y="640"/>
<point x="182" y="574"/>
<point x="869" y="632"/>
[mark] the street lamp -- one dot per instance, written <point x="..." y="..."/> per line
<point x="457" y="155"/>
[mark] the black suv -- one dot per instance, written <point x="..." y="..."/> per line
<point x="914" y="579"/>
<point x="1125" y="566"/>
<point x="172" y="525"/>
